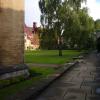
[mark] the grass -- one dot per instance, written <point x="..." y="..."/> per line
<point x="41" y="72"/>
<point x="49" y="56"/>
<point x="38" y="73"/>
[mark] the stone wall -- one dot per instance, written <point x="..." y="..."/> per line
<point x="11" y="32"/>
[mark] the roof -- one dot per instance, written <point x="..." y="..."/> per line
<point x="30" y="35"/>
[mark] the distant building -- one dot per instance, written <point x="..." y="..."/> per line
<point x="32" y="41"/>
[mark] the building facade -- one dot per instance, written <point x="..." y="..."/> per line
<point x="32" y="41"/>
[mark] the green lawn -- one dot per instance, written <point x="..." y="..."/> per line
<point x="38" y="73"/>
<point x="49" y="56"/>
<point x="41" y="73"/>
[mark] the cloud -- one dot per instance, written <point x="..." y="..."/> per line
<point x="32" y="12"/>
<point x="94" y="9"/>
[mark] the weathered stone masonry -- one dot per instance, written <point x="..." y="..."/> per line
<point x="11" y="35"/>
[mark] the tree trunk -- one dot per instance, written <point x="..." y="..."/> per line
<point x="60" y="46"/>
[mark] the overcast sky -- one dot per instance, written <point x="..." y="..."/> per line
<point x="32" y="12"/>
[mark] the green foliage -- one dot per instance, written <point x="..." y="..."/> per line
<point x="76" y="4"/>
<point x="66" y="15"/>
<point x="48" y="40"/>
<point x="86" y="29"/>
<point x="97" y="24"/>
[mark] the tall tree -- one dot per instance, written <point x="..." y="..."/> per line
<point x="97" y="24"/>
<point x="76" y="4"/>
<point x="50" y="18"/>
<point x="87" y="27"/>
<point x="66" y="18"/>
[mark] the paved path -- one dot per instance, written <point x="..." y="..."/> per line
<point x="80" y="83"/>
<point x="44" y="65"/>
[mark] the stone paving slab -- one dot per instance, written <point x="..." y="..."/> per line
<point x="75" y="96"/>
<point x="81" y="83"/>
<point x="34" y="91"/>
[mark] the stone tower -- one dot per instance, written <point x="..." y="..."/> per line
<point x="12" y="38"/>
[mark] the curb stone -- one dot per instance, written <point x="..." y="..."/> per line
<point x="33" y="92"/>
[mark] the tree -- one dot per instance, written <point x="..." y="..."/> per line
<point x="87" y="28"/>
<point x="50" y="18"/>
<point x="66" y="18"/>
<point x="76" y="4"/>
<point x="97" y="29"/>
<point x="97" y="24"/>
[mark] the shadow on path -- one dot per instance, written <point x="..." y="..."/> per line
<point x="81" y="83"/>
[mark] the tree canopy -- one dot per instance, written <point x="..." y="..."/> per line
<point x="66" y="21"/>
<point x="97" y="24"/>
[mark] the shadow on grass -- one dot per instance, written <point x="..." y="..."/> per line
<point x="34" y="73"/>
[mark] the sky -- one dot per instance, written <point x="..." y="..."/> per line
<point x="32" y="11"/>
